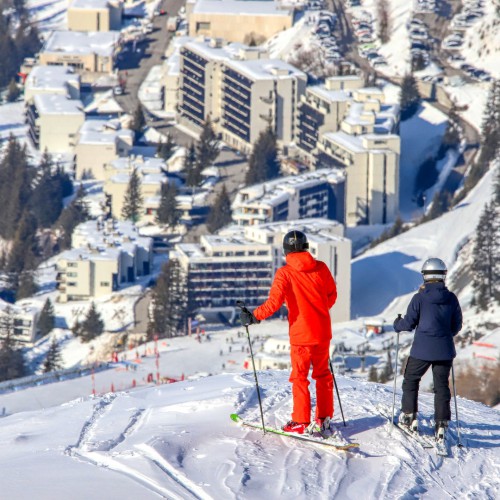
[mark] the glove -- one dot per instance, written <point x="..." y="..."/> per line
<point x="247" y="318"/>
<point x="396" y="321"/>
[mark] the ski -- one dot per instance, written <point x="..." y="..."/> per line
<point x="302" y="437"/>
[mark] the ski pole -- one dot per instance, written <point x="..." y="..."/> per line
<point x="395" y="377"/>
<point x="456" y="407"/>
<point x="241" y="305"/>
<point x="337" y="391"/>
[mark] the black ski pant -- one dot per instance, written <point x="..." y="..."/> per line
<point x="414" y="371"/>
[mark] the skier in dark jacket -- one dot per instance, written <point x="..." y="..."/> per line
<point x="436" y="316"/>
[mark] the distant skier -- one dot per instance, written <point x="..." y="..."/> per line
<point x="309" y="291"/>
<point x="436" y="314"/>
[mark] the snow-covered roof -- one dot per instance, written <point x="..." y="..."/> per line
<point x="328" y="95"/>
<point x="103" y="132"/>
<point x="57" y="104"/>
<point x="240" y="7"/>
<point x="266" y="69"/>
<point x="350" y="142"/>
<point x="101" y="43"/>
<point x="51" y="77"/>
<point x="89" y="4"/>
<point x="103" y="103"/>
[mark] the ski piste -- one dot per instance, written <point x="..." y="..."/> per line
<point x="425" y="441"/>
<point x="302" y="437"/>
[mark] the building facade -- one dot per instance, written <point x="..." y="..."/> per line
<point x="51" y="80"/>
<point x="20" y="320"/>
<point x="95" y="15"/>
<point x="105" y="256"/>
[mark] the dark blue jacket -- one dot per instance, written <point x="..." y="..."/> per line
<point x="437" y="316"/>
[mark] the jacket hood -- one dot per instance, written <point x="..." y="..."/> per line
<point x="301" y="261"/>
<point x="435" y="293"/>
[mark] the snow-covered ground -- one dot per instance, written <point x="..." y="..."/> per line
<point x="49" y="15"/>
<point x="177" y="441"/>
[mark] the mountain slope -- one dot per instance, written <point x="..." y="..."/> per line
<point x="177" y="441"/>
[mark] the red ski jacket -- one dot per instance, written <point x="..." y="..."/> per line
<point x="309" y="291"/>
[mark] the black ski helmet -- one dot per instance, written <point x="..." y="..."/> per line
<point x="295" y="241"/>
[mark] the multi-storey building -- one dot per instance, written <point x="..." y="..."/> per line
<point x="240" y="89"/>
<point x="51" y="80"/>
<point x="98" y="143"/>
<point x="342" y="124"/>
<point x="313" y="194"/>
<point x="95" y="15"/>
<point x="117" y="177"/>
<point x="239" y="263"/>
<point x="105" y="256"/>
<point x="91" y="54"/>
<point x="54" y="121"/>
<point x="20" y="321"/>
<point x="238" y="20"/>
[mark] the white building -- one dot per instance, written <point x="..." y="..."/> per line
<point x="313" y="194"/>
<point x="105" y="256"/>
<point x="52" y="80"/>
<point x="22" y="320"/>
<point x="239" y="263"/>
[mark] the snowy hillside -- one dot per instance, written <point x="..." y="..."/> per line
<point x="177" y="441"/>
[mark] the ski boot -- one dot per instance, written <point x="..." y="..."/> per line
<point x="441" y="428"/>
<point x="295" y="427"/>
<point x="409" y="420"/>
<point x="324" y="427"/>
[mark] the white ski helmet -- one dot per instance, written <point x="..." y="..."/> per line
<point x="434" y="269"/>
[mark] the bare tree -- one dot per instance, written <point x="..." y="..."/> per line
<point x="384" y="20"/>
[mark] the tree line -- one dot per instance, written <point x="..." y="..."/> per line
<point x="19" y="38"/>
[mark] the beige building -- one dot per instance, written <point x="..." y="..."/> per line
<point x="117" y="178"/>
<point x="240" y="89"/>
<point x="238" y="20"/>
<point x="22" y="320"/>
<point x="52" y="80"/>
<point x="99" y="143"/>
<point x="106" y="256"/>
<point x="90" y="54"/>
<point x="345" y="125"/>
<point x="95" y="15"/>
<point x="53" y="122"/>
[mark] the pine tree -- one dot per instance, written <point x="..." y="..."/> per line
<point x="485" y="265"/>
<point x="490" y="129"/>
<point x="207" y="148"/>
<point x="264" y="163"/>
<point x="192" y="169"/>
<point x="220" y="213"/>
<point x="168" y="213"/>
<point x="24" y="284"/>
<point x="91" y="327"/>
<point x="24" y="247"/>
<point x="138" y="120"/>
<point x="166" y="149"/>
<point x="451" y="138"/>
<point x="169" y="302"/>
<point x="53" y="361"/>
<point x="132" y="203"/>
<point x="47" y="319"/>
<point x="13" y="91"/>
<point x="75" y="213"/>
<point x="410" y="97"/>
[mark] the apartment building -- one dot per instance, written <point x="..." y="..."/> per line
<point x="90" y="54"/>
<point x="240" y="89"/>
<point x="238" y="20"/>
<point x="53" y="122"/>
<point x="117" y="177"/>
<point x="99" y="143"/>
<point x="20" y="321"/>
<point x="343" y="124"/>
<point x="239" y="263"/>
<point x="51" y="80"/>
<point x="105" y="256"/>
<point x="318" y="194"/>
<point x="95" y="15"/>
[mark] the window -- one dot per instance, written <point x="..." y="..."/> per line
<point x="202" y="26"/>
<point x="72" y="275"/>
<point x="104" y="283"/>
<point x="72" y="264"/>
<point x="72" y="283"/>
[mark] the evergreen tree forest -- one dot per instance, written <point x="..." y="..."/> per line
<point x="169" y="302"/>
<point x="32" y="199"/>
<point x="264" y="163"/>
<point x="18" y="39"/>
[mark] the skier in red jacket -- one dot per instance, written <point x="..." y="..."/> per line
<point x="309" y="291"/>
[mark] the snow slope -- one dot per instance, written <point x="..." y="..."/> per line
<point x="177" y="441"/>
